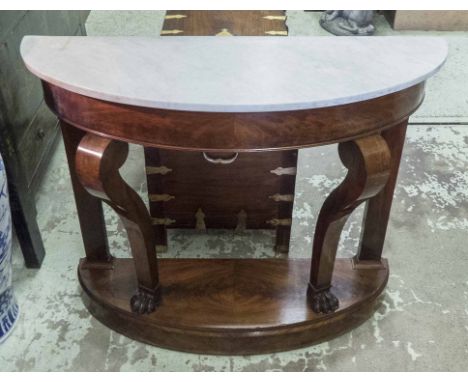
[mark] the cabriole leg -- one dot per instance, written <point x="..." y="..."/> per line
<point x="368" y="163"/>
<point x="98" y="161"/>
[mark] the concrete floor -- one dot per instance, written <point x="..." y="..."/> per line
<point x="422" y="323"/>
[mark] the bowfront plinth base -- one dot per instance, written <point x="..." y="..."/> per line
<point x="232" y="306"/>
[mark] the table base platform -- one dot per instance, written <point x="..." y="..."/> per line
<point x="232" y="306"/>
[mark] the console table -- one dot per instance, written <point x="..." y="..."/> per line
<point x="223" y="98"/>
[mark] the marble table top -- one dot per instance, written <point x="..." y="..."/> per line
<point x="234" y="74"/>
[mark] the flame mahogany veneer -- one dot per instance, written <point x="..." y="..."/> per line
<point x="237" y="306"/>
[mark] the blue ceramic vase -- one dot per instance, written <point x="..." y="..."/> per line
<point x="8" y="304"/>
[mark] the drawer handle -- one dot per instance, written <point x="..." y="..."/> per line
<point x="220" y="160"/>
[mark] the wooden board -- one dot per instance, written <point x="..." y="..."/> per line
<point x="246" y="194"/>
<point x="232" y="306"/>
<point x="222" y="191"/>
<point x="225" y="23"/>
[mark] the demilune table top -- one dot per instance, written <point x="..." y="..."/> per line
<point x="236" y="74"/>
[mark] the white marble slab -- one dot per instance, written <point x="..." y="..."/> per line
<point x="234" y="74"/>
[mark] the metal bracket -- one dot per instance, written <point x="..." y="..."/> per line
<point x="162" y="170"/>
<point x="284" y="171"/>
<point x="160" y="197"/>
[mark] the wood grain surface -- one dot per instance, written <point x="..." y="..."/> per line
<point x="232" y="306"/>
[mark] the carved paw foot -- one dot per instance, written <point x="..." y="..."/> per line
<point x="323" y="302"/>
<point x="144" y="302"/>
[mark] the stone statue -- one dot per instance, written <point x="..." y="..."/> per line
<point x="348" y="23"/>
